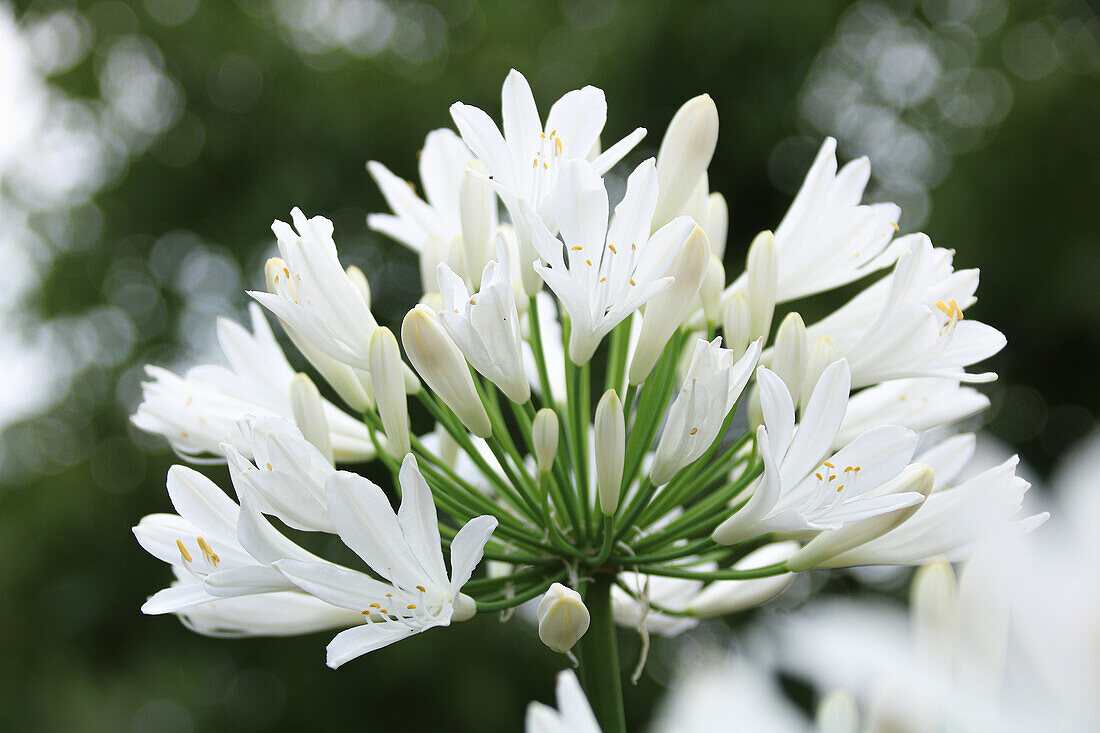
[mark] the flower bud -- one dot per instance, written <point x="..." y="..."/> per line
<point x="389" y="388"/>
<point x="789" y="357"/>
<point x="439" y="362"/>
<point x="664" y="313"/>
<point x="465" y="608"/>
<point x="610" y="427"/>
<point x="684" y="155"/>
<point x="563" y="618"/>
<point x="837" y="713"/>
<point x="934" y="601"/>
<point x="736" y="323"/>
<point x="544" y="434"/>
<point x="823" y="353"/>
<point x="917" y="478"/>
<point x="361" y="283"/>
<point x="717" y="224"/>
<point x="309" y="414"/>
<point x="477" y="211"/>
<point x="710" y="292"/>
<point x="762" y="275"/>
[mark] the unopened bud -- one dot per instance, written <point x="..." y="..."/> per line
<point x="684" y="155"/>
<point x="736" y="323"/>
<point x="387" y="376"/>
<point x="837" y="713"/>
<point x="664" y="313"/>
<point x="563" y="618"/>
<point x="610" y="427"/>
<point x="762" y="275"/>
<point x="710" y="292"/>
<point x="823" y="353"/>
<point x="789" y="357"/>
<point x="440" y="364"/>
<point x="544" y="434"/>
<point x="717" y="224"/>
<point x="361" y="283"/>
<point x="309" y="414"/>
<point x="477" y="210"/>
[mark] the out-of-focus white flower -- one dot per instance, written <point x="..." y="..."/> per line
<point x="910" y="324"/>
<point x="525" y="162"/>
<point x="563" y="618"/>
<point x="196" y="412"/>
<point x="573" y="715"/>
<point x="608" y="272"/>
<point x="803" y="491"/>
<point x="827" y="239"/>
<point x="404" y="549"/>
<point x="440" y="363"/>
<point x="486" y="326"/>
<point x="918" y="404"/>
<point x="714" y="381"/>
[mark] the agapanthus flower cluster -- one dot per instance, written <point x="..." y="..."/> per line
<point x="579" y="397"/>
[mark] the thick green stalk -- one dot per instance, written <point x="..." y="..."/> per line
<point x="599" y="655"/>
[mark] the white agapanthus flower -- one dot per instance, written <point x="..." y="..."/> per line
<point x="573" y="714"/>
<point x="197" y="411"/>
<point x="585" y="438"/>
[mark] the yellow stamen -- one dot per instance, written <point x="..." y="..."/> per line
<point x="838" y="488"/>
<point x="422" y="589"/>
<point x="183" y="551"/>
<point x="694" y="431"/>
<point x="829" y="464"/>
<point x="819" y="477"/>
<point x="578" y="247"/>
<point x="612" y="248"/>
<point x="632" y="281"/>
<point x="411" y="606"/>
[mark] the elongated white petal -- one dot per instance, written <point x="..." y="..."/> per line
<point x="309" y="414"/>
<point x="762" y="274"/>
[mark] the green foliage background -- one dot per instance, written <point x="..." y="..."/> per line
<point x="75" y="654"/>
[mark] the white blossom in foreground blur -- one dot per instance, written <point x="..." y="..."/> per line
<point x="614" y="457"/>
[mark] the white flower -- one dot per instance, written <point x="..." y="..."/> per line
<point x="201" y="544"/>
<point x="910" y="323"/>
<point x="286" y="476"/>
<point x="486" y="326"/>
<point x="955" y="518"/>
<point x="713" y="383"/>
<point x="573" y="716"/>
<point x="717" y="598"/>
<point x="827" y="239"/>
<point x="563" y="618"/>
<point x="804" y="491"/>
<point x="442" y="366"/>
<point x="315" y="296"/>
<point x="283" y="613"/>
<point x="525" y="162"/>
<point x="404" y="549"/>
<point x="917" y="404"/>
<point x="454" y="210"/>
<point x="609" y="272"/>
<point x="197" y="411"/>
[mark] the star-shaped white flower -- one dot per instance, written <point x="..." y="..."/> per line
<point x="608" y="271"/>
<point x="410" y="590"/>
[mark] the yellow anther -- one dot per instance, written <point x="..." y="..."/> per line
<point x="375" y="605"/>
<point x="366" y="612"/>
<point x="473" y="302"/>
<point x="286" y="271"/>
<point x="535" y="163"/>
<point x="832" y="476"/>
<point x="632" y="281"/>
<point x="694" y="431"/>
<point x="382" y="610"/>
<point x="633" y="245"/>
<point x="557" y="146"/>
<point x="183" y="433"/>
<point x="588" y="262"/>
<point x="189" y="401"/>
<point x="411" y="606"/>
<point x="207" y="551"/>
<point x="819" y="477"/>
<point x="603" y="279"/>
<point x="847" y="469"/>
<point x="895" y="225"/>
<point x="545" y="166"/>
<point x="826" y="463"/>
<point x="422" y="589"/>
<point x="269" y="468"/>
<point x="183" y="551"/>
<point x="574" y="249"/>
<point x="612" y="248"/>
<point x="838" y="488"/>
<point x="857" y="469"/>
<point x="389" y="595"/>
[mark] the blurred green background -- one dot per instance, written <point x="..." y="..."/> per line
<point x="147" y="145"/>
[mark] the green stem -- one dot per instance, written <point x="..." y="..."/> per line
<point x="599" y="655"/>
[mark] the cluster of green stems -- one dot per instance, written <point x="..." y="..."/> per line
<point x="550" y="526"/>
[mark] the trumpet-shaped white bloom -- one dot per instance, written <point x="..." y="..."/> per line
<point x="486" y="326"/>
<point x="403" y="548"/>
<point x="286" y="476"/>
<point x="574" y="714"/>
<point x="714" y="382"/>
<point x="827" y="238"/>
<point x="956" y="518"/>
<point x="803" y="489"/>
<point x="608" y="272"/>
<point x="917" y="404"/>
<point x="196" y="412"/>
<point x="201" y="543"/>
<point x="525" y="162"/>
<point x="315" y="296"/>
<point x="455" y="210"/>
<point x="910" y="324"/>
